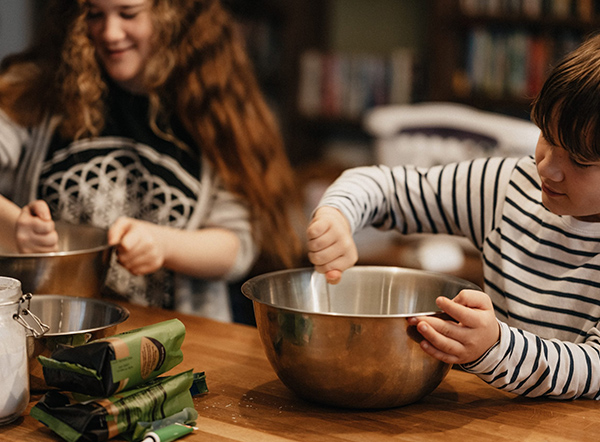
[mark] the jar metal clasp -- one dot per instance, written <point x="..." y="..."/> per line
<point x="23" y="310"/>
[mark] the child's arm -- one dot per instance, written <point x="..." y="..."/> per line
<point x="443" y="199"/>
<point x="526" y="364"/>
<point x="509" y="358"/>
<point x="331" y="247"/>
<point x="475" y="331"/>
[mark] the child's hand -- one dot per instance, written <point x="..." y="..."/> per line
<point x="139" y="246"/>
<point x="331" y="247"/>
<point x="466" y="340"/>
<point x="35" y="231"/>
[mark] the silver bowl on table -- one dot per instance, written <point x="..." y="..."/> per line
<point x="72" y="321"/>
<point x="349" y="345"/>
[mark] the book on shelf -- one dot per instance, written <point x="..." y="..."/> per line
<point x="538" y="60"/>
<point x="401" y="81"/>
<point x="586" y="10"/>
<point x="309" y="100"/>
<point x="340" y="85"/>
<point x="512" y="63"/>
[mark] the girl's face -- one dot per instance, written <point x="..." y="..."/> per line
<point x="568" y="187"/>
<point x="121" y="31"/>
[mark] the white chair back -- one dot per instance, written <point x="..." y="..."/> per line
<point x="431" y="133"/>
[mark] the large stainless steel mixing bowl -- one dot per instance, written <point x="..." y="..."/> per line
<point x="349" y="345"/>
<point x="72" y="321"/>
<point x="77" y="269"/>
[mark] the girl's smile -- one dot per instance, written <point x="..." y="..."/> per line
<point x="121" y="31"/>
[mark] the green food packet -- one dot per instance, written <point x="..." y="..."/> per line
<point x="101" y="419"/>
<point x="187" y="416"/>
<point x="106" y="366"/>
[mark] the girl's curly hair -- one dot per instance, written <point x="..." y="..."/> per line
<point x="198" y="71"/>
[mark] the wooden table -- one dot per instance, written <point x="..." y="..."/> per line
<point x="247" y="402"/>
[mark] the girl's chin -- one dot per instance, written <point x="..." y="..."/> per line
<point x="121" y="72"/>
<point x="131" y="84"/>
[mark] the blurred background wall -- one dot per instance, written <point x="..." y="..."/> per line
<point x="16" y="25"/>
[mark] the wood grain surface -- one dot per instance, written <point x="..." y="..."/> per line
<point x="247" y="402"/>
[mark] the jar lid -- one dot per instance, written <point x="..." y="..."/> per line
<point x="10" y="290"/>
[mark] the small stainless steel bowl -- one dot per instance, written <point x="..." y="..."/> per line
<point x="77" y="269"/>
<point x="349" y="345"/>
<point x="72" y="321"/>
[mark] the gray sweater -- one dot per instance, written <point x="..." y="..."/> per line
<point x="22" y="154"/>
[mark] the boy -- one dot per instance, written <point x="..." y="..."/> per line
<point x="537" y="223"/>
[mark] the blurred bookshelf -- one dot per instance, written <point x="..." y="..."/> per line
<point x="324" y="63"/>
<point x="277" y="33"/>
<point x="495" y="54"/>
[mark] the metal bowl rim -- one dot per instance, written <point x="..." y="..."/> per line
<point x="123" y="312"/>
<point x="349" y="315"/>
<point x="56" y="254"/>
<point x="60" y="224"/>
<point x="468" y="285"/>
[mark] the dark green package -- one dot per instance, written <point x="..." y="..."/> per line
<point x="104" y="418"/>
<point x="106" y="366"/>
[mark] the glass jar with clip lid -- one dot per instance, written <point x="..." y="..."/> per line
<point x="14" y="373"/>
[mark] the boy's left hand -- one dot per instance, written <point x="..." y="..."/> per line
<point x="475" y="331"/>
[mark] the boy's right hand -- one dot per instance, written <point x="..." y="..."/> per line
<point x="331" y="247"/>
<point x="35" y="230"/>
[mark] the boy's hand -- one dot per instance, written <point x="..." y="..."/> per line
<point x="35" y="231"/>
<point x="466" y="340"/>
<point x="331" y="247"/>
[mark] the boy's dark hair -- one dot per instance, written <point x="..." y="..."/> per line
<point x="567" y="109"/>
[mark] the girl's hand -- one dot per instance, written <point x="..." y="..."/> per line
<point x="331" y="247"/>
<point x="466" y="340"/>
<point x="35" y="231"/>
<point x="139" y="245"/>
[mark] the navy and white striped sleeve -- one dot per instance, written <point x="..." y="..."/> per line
<point x="525" y="364"/>
<point x="458" y="198"/>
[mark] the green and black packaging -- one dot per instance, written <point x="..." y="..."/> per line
<point x="101" y="419"/>
<point x="107" y="366"/>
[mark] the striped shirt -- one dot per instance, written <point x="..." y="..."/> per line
<point x="541" y="270"/>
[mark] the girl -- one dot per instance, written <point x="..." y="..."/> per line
<point x="144" y="116"/>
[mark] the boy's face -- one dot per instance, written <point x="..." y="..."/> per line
<point x="568" y="187"/>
